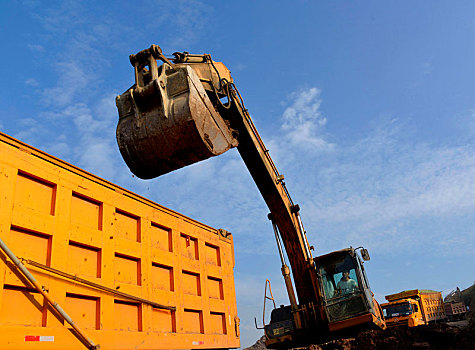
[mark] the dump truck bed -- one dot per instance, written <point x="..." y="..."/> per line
<point x="455" y="310"/>
<point x="65" y="218"/>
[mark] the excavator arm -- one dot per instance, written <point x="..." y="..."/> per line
<point x="283" y="212"/>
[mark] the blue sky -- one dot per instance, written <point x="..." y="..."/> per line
<point x="367" y="109"/>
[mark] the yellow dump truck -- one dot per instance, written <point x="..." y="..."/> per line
<point x="413" y="308"/>
<point x="86" y="263"/>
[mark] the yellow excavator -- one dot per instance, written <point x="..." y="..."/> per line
<point x="188" y="109"/>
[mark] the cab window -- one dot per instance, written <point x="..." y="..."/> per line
<point x="339" y="278"/>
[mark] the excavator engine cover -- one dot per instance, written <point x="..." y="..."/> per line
<point x="167" y="121"/>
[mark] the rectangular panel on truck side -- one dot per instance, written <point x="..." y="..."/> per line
<point x="67" y="219"/>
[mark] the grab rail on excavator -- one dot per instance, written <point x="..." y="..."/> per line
<point x="265" y="299"/>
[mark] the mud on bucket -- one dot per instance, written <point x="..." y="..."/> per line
<point x="167" y="121"/>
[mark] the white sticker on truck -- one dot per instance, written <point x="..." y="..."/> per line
<point x="39" y="337"/>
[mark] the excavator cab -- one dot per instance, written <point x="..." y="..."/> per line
<point x="347" y="302"/>
<point x="347" y="297"/>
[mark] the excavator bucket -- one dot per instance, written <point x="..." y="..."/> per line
<point x="166" y="120"/>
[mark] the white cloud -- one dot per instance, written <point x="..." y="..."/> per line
<point x="96" y="149"/>
<point x="30" y="128"/>
<point x="72" y="80"/>
<point x="423" y="181"/>
<point x="36" y="47"/>
<point x="61" y="18"/>
<point x="303" y="122"/>
<point x="61" y="150"/>
<point x="96" y="156"/>
<point x="185" y="21"/>
<point x="88" y="137"/>
<point x="31" y="82"/>
<point x="76" y="104"/>
<point x="427" y="68"/>
<point x="471" y="122"/>
<point x="305" y="107"/>
<point x="239" y="67"/>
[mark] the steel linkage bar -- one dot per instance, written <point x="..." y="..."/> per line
<point x="98" y="286"/>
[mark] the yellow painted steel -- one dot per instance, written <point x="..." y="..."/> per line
<point x="60" y="216"/>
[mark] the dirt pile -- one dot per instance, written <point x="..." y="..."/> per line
<point x="259" y="345"/>
<point x="439" y="336"/>
<point x="443" y="336"/>
<point x="341" y="344"/>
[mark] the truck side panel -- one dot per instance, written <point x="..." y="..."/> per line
<point x="63" y="217"/>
